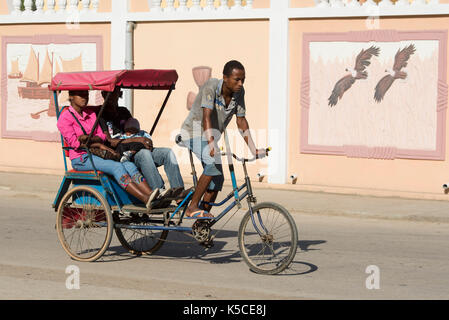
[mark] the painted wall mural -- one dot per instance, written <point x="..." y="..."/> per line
<point x="375" y="94"/>
<point x="201" y="75"/>
<point x="28" y="110"/>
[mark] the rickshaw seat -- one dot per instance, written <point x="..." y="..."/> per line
<point x="76" y="175"/>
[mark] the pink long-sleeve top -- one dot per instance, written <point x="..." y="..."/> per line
<point x="71" y="130"/>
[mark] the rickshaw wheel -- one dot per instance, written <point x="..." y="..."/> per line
<point x="141" y="241"/>
<point x="84" y="223"/>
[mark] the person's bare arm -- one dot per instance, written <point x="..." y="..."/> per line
<point x="114" y="142"/>
<point x="243" y="126"/>
<point x="207" y="128"/>
<point x="83" y="140"/>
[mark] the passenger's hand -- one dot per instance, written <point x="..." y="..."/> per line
<point x="148" y="144"/>
<point x="83" y="138"/>
<point x="95" y="139"/>
<point x="112" y="151"/>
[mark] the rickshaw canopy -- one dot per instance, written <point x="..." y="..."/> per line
<point x="154" y="79"/>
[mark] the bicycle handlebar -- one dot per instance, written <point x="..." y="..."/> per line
<point x="244" y="159"/>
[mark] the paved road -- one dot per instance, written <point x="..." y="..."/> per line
<point x="334" y="252"/>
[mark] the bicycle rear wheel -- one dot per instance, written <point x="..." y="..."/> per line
<point x="138" y="240"/>
<point x="84" y="223"/>
<point x="268" y="238"/>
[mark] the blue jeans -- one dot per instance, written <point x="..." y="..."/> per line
<point x="212" y="166"/>
<point x="123" y="172"/>
<point x="148" y="162"/>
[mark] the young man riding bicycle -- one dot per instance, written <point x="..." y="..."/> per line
<point x="216" y="103"/>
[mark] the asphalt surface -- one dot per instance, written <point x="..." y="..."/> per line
<point x="340" y="237"/>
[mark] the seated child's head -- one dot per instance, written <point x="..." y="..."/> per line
<point x="132" y="126"/>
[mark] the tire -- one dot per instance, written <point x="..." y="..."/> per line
<point x="141" y="241"/>
<point x="272" y="252"/>
<point x="84" y="224"/>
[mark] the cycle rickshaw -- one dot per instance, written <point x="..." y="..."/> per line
<point x="91" y="206"/>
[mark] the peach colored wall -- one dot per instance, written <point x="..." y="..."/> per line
<point x="301" y="3"/>
<point x="138" y="6"/>
<point x="3" y="7"/>
<point x="261" y="4"/>
<point x="46" y="156"/>
<point x="184" y="45"/>
<point x="105" y="6"/>
<point x="412" y="176"/>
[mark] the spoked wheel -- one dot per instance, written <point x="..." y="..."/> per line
<point x="138" y="240"/>
<point x="268" y="239"/>
<point x="84" y="223"/>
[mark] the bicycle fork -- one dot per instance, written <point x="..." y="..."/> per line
<point x="251" y="200"/>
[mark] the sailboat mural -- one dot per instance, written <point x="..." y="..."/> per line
<point x="72" y="65"/>
<point x="35" y="78"/>
<point x="28" y="107"/>
<point x="15" y="72"/>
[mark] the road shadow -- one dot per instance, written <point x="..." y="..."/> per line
<point x="180" y="245"/>
<point x="117" y="253"/>
<point x="301" y="267"/>
<point x="297" y="268"/>
<point x="305" y="244"/>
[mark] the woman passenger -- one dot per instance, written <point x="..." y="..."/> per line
<point x="125" y="173"/>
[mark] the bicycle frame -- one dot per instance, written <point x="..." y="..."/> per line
<point x="248" y="193"/>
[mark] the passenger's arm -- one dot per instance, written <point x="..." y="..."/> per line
<point x="66" y="127"/>
<point x="103" y="147"/>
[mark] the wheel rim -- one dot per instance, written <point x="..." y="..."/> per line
<point x="273" y="249"/>
<point x="83" y="224"/>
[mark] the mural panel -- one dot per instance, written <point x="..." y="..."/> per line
<point x="28" y="109"/>
<point x="377" y="94"/>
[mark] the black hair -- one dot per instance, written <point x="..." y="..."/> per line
<point x="104" y="93"/>
<point x="231" y="65"/>
<point x="76" y="92"/>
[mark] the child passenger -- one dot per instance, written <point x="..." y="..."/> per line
<point x="129" y="149"/>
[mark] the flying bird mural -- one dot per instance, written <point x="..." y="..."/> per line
<point x="359" y="72"/>
<point x="400" y="61"/>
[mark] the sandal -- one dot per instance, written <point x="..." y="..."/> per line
<point x="153" y="196"/>
<point x="162" y="200"/>
<point x="200" y="214"/>
<point x="165" y="194"/>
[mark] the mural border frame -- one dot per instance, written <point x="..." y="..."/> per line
<point x="39" y="40"/>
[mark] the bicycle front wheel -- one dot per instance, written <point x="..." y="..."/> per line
<point x="268" y="238"/>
